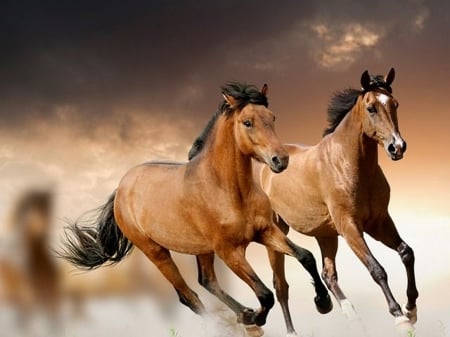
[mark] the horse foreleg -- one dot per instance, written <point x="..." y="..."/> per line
<point x="355" y="240"/>
<point x="234" y="258"/>
<point x="328" y="247"/>
<point x="273" y="238"/>
<point x="207" y="278"/>
<point x="388" y="235"/>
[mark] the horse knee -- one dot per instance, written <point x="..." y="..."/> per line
<point x="406" y="254"/>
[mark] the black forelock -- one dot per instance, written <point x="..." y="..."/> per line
<point x="243" y="94"/>
<point x="377" y="81"/>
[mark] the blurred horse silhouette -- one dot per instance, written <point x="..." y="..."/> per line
<point x="29" y="278"/>
<point x="338" y="188"/>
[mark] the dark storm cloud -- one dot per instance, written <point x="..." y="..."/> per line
<point x="95" y="54"/>
<point x="91" y="62"/>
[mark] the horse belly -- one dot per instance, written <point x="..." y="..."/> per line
<point x="179" y="237"/>
<point x="314" y="225"/>
<point x="309" y="219"/>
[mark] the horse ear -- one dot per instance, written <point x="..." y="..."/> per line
<point x="389" y="78"/>
<point x="230" y="100"/>
<point x="264" y="89"/>
<point x="365" y="80"/>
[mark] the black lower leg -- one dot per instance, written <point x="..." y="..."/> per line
<point x="306" y="258"/>
<point x="267" y="301"/>
<point x="380" y="277"/>
<point x="407" y="256"/>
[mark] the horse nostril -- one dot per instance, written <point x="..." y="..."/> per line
<point x="276" y="160"/>
<point x="391" y="148"/>
<point x="404" y="147"/>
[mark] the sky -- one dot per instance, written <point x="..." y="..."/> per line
<point x="89" y="89"/>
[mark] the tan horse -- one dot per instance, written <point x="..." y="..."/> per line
<point x="210" y="205"/>
<point x="337" y="188"/>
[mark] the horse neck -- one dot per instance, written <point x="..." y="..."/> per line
<point x="232" y="168"/>
<point x="356" y="148"/>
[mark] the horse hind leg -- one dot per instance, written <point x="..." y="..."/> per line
<point x="328" y="247"/>
<point x="281" y="288"/>
<point x="280" y="284"/>
<point x="162" y="259"/>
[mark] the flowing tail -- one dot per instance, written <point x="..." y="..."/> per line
<point x="89" y="247"/>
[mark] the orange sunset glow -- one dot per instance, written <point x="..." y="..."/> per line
<point x="91" y="89"/>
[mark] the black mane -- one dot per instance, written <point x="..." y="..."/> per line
<point x="340" y="104"/>
<point x="243" y="94"/>
<point x="343" y="101"/>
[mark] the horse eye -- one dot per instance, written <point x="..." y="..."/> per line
<point x="372" y="109"/>
<point x="247" y="123"/>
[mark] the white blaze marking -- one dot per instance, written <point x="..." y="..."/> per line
<point x="397" y="139"/>
<point x="383" y="99"/>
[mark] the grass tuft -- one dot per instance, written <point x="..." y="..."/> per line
<point x="174" y="332"/>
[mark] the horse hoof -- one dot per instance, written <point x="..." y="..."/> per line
<point x="260" y="319"/>
<point x="247" y="316"/>
<point x="323" y="304"/>
<point x="348" y="310"/>
<point x="410" y="313"/>
<point x="254" y="330"/>
<point x="404" y="326"/>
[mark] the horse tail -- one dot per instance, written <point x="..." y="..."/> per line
<point x="97" y="241"/>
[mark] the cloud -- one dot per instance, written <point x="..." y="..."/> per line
<point x="340" y="46"/>
<point x="338" y="35"/>
<point x="420" y="19"/>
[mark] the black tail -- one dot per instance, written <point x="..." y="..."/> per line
<point x="88" y="247"/>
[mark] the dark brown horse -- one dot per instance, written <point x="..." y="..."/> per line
<point x="210" y="205"/>
<point x="337" y="188"/>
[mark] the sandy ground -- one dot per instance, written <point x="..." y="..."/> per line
<point x="153" y="315"/>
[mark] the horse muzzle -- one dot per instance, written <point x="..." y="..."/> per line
<point x="278" y="163"/>
<point x="396" y="148"/>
